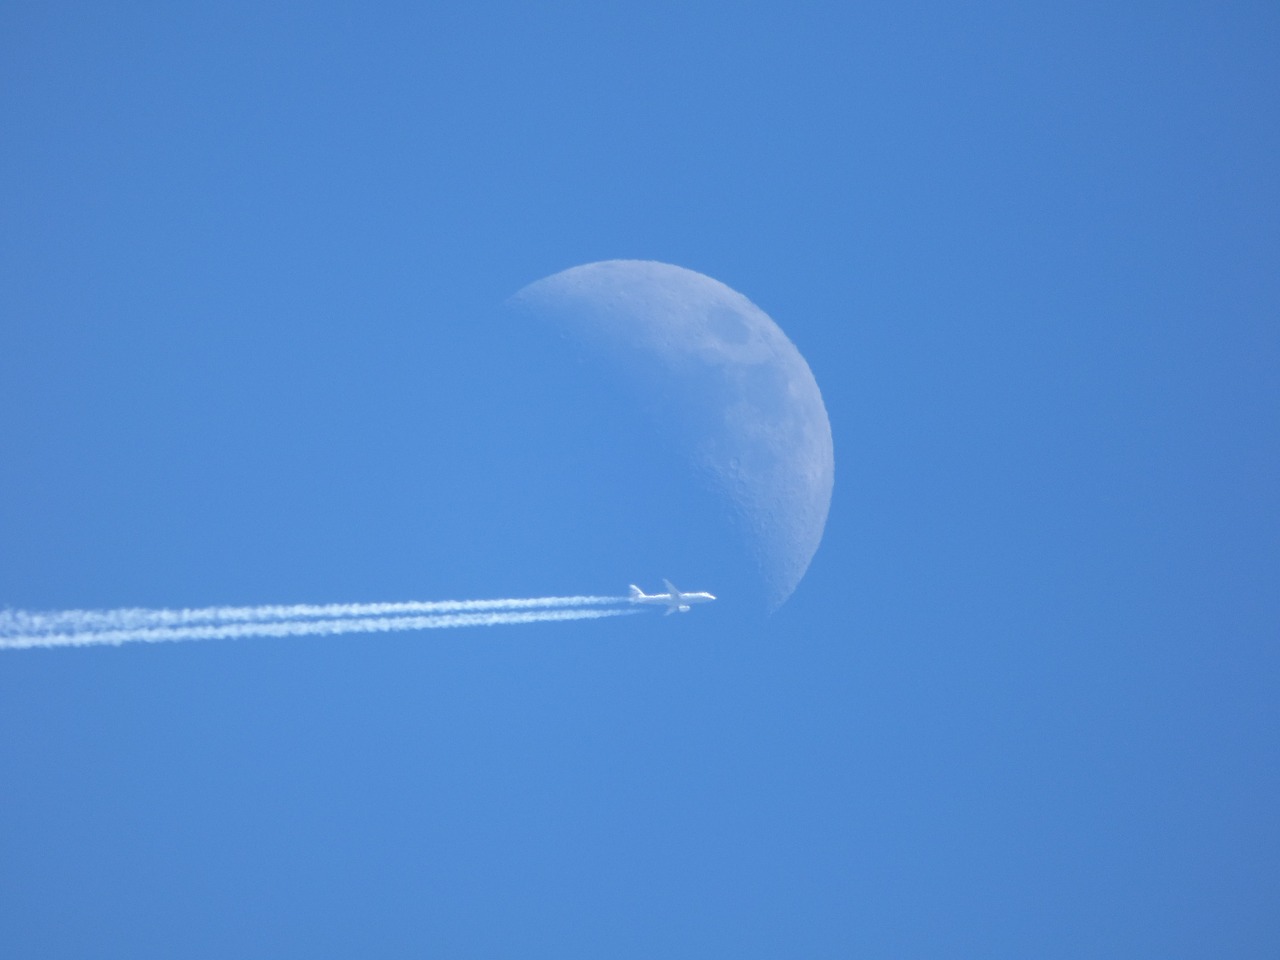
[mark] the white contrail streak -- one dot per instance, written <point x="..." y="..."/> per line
<point x="80" y="621"/>
<point x="299" y="627"/>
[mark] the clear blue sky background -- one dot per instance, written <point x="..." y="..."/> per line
<point x="1023" y="705"/>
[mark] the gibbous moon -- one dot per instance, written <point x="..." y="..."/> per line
<point x="721" y="379"/>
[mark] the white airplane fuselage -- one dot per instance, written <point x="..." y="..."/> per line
<point x="674" y="599"/>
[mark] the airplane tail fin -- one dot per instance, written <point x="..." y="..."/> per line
<point x="636" y="592"/>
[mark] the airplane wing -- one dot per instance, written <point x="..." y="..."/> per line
<point x="672" y="589"/>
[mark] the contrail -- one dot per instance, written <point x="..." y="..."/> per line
<point x="301" y="626"/>
<point x="79" y="621"/>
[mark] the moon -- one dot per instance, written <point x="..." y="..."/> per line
<point x="715" y="375"/>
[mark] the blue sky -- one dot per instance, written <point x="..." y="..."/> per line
<point x="1024" y="702"/>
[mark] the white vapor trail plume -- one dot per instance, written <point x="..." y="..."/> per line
<point x="79" y="621"/>
<point x="297" y="627"/>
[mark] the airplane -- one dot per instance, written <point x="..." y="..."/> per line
<point x="673" y="598"/>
